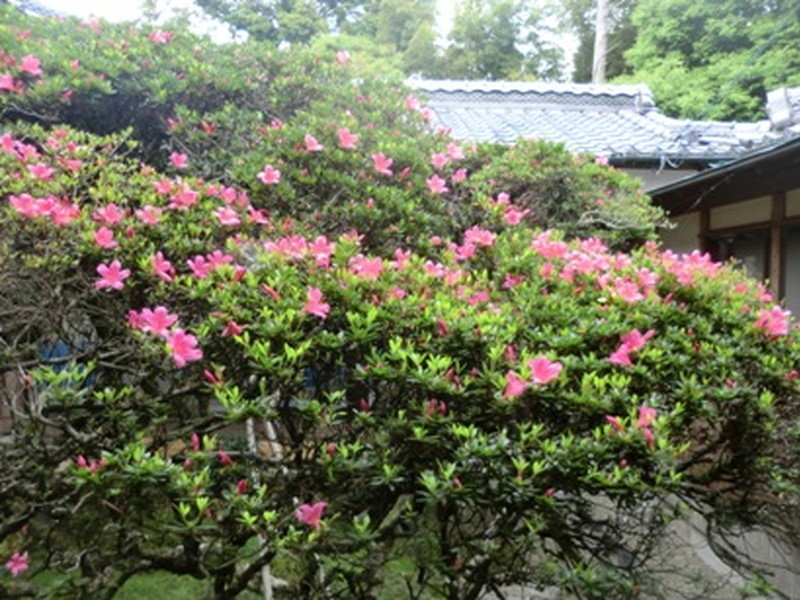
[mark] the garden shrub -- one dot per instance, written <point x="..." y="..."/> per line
<point x="262" y="351"/>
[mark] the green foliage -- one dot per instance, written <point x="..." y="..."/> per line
<point x="715" y="60"/>
<point x="198" y="355"/>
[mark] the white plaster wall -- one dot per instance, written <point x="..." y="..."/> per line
<point x="684" y="237"/>
<point x="757" y="210"/>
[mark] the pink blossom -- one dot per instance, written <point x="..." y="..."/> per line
<point x="400" y="258"/>
<point x="269" y="175"/>
<point x="111" y="276"/>
<point x="382" y="164"/>
<point x="646" y="416"/>
<point x="459" y="175"/>
<point x="225" y="458"/>
<point x="635" y="340"/>
<point x="163" y="187"/>
<point x="18" y="563"/>
<point x="179" y="161"/>
<point x="41" y="171"/>
<point x="158" y="36"/>
<point x="343" y="57"/>
<point x="25" y="205"/>
<point x="8" y="84"/>
<point x="311" y="514"/>
<point x="365" y="268"/>
<point x="436" y="184"/>
<point x="31" y="65"/>
<point x="514" y="215"/>
<point x="774" y="322"/>
<point x="104" y="237"/>
<point x="200" y="266"/>
<point x="621" y="356"/>
<point x="312" y="145"/>
<point x="162" y="267"/>
<point x="412" y="102"/>
<point x="260" y="216"/>
<point x="615" y="423"/>
<point x="183" y="199"/>
<point x="108" y="215"/>
<point x="149" y="215"/>
<point x="231" y="329"/>
<point x="217" y="258"/>
<point x="543" y="370"/>
<point x="455" y="151"/>
<point x="321" y="249"/>
<point x="347" y="140"/>
<point x="315" y="305"/>
<point x="64" y="212"/>
<point x="439" y="160"/>
<point x="627" y="290"/>
<point x="601" y="160"/>
<point x="227" y="216"/>
<point x="184" y="347"/>
<point x="157" y="321"/>
<point x="515" y="385"/>
<point x="479" y="236"/>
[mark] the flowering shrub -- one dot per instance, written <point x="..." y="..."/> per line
<point x="365" y="363"/>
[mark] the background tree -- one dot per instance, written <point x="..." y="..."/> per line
<point x="500" y="39"/>
<point x="579" y="18"/>
<point x="715" y="60"/>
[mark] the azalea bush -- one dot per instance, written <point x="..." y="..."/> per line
<point x="339" y="150"/>
<point x="198" y="389"/>
<point x="332" y="346"/>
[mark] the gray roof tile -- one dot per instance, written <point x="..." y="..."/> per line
<point x="619" y="121"/>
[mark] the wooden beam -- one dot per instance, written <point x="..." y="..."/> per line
<point x="776" y="257"/>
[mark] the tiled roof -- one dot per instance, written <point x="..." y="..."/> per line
<point x="618" y="121"/>
<point x="32" y="6"/>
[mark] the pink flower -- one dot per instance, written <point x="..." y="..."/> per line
<point x="7" y="83"/>
<point x="225" y="458"/>
<point x="159" y="36"/>
<point x="157" y="321"/>
<point x="514" y="215"/>
<point x="217" y="258"/>
<point x="311" y="514"/>
<point x="439" y="160"/>
<point x="615" y="423"/>
<point x="774" y="322"/>
<point x="646" y="416"/>
<point x="365" y="268"/>
<point x="312" y="145"/>
<point x="314" y="304"/>
<point x="108" y="215"/>
<point x="111" y="276"/>
<point x="382" y="164"/>
<point x="31" y="65"/>
<point x="41" y="171"/>
<point x="241" y="487"/>
<point x="18" y="563"/>
<point x="179" y="161"/>
<point x="104" y="238"/>
<point x="269" y="176"/>
<point x="183" y="199"/>
<point x="601" y="160"/>
<point x="455" y="151"/>
<point x="478" y="236"/>
<point x="343" y="57"/>
<point x="231" y="329"/>
<point x="347" y="140"/>
<point x="635" y="340"/>
<point x="162" y="267"/>
<point x="621" y="356"/>
<point x="25" y="205"/>
<point x="149" y="215"/>
<point x="515" y="385"/>
<point x="412" y="102"/>
<point x="163" y="187"/>
<point x="184" y="347"/>
<point x="200" y="266"/>
<point x="321" y="249"/>
<point x="227" y="216"/>
<point x="436" y="184"/>
<point x="459" y="175"/>
<point x="543" y="370"/>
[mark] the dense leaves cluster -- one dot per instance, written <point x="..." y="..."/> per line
<point x="321" y="339"/>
